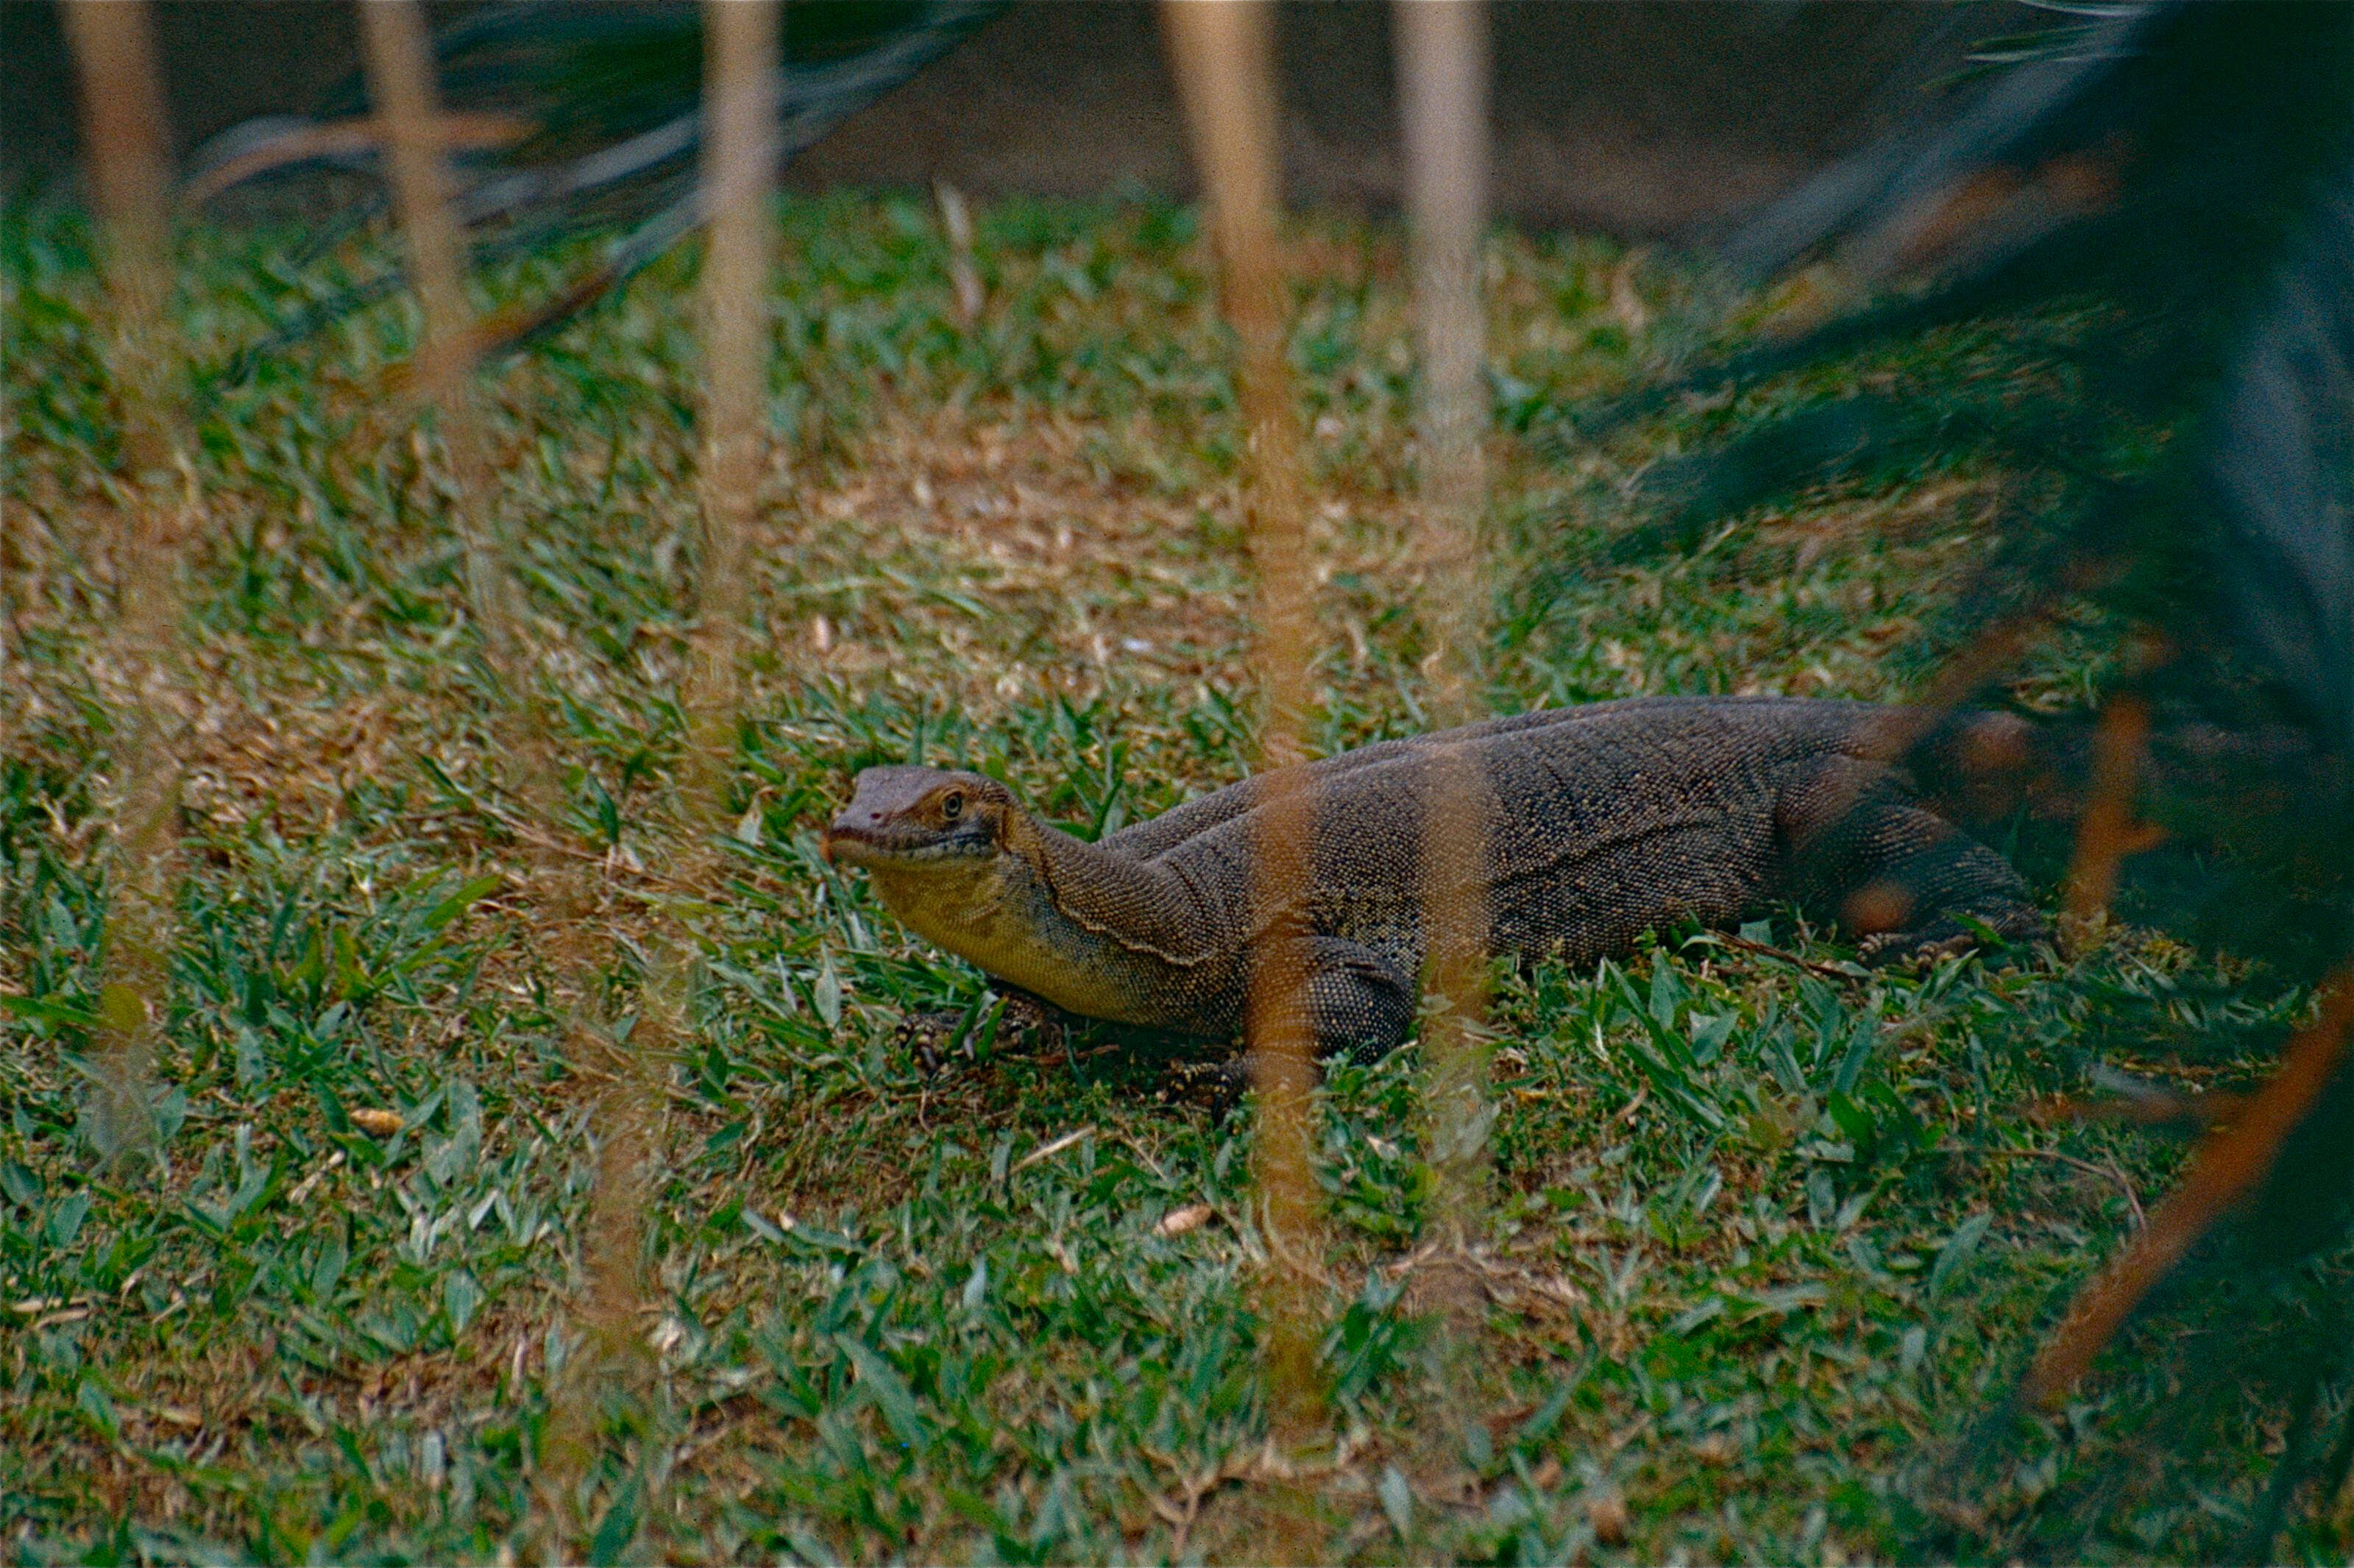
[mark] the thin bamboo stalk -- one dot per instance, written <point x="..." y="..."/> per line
<point x="399" y="59"/>
<point x="739" y="170"/>
<point x="741" y="49"/>
<point x="1223" y="56"/>
<point x="124" y="136"/>
<point x="1443" y="96"/>
<point x="399" y="65"/>
<point x="124" y="128"/>
<point x="1442" y="59"/>
<point x="964" y="273"/>
<point x="740" y="154"/>
<point x="739" y="162"/>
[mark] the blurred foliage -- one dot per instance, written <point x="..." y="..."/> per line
<point x="2159" y="199"/>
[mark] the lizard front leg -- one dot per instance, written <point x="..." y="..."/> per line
<point x="1359" y="1002"/>
<point x="1359" y="1005"/>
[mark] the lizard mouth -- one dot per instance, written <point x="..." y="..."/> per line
<point x="846" y="844"/>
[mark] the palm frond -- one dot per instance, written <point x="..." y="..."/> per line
<point x="2156" y="202"/>
<point x="562" y="117"/>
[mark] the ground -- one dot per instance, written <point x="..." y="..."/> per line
<point x="1767" y="1238"/>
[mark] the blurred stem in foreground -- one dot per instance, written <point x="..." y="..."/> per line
<point x="739" y="166"/>
<point x="400" y="62"/>
<point x="154" y="506"/>
<point x="1443" y="91"/>
<point x="2231" y="1161"/>
<point x="2107" y="834"/>
<point x="1223" y="56"/>
<point x="400" y="82"/>
<point x="740" y="161"/>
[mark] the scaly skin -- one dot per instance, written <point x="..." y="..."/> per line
<point x="1602" y="822"/>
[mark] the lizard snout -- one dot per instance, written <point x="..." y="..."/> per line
<point x="852" y="827"/>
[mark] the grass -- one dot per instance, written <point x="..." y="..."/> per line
<point x="1767" y="1241"/>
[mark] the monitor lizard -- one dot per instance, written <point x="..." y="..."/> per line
<point x="1602" y="822"/>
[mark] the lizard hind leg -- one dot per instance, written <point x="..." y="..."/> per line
<point x="1906" y="882"/>
<point x="1936" y="902"/>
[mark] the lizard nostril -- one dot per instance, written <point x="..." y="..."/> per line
<point x="873" y="816"/>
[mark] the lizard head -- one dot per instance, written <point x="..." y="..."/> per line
<point x="920" y="818"/>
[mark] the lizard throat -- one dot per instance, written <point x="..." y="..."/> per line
<point x="997" y="914"/>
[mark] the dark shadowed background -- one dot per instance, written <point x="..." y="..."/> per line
<point x="1652" y="119"/>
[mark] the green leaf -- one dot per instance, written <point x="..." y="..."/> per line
<point x="45" y="1010"/>
<point x="252" y="1065"/>
<point x="826" y="994"/>
<point x="458" y="903"/>
<point x="460" y="1295"/>
<point x="881" y="1382"/>
<point x="1710" y="1031"/>
<point x="617" y="1530"/>
<point x="1859" y="1054"/>
<point x="1665" y="1037"/>
<point x="1667" y="992"/>
<point x="98" y="1407"/>
<point x="329" y="1268"/>
<point x="1539" y="1427"/>
<point x="65" y="1223"/>
<point x="19" y="1182"/>
<point x="759" y="1225"/>
<point x="1692" y="1317"/>
<point x="1854" y="1120"/>
<point x="1957" y="1250"/>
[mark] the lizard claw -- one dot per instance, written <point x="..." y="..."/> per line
<point x="1027" y="1018"/>
<point x="1218" y="1086"/>
<point x="1908" y="951"/>
<point x="2001" y="942"/>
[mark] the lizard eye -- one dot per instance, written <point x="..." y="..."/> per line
<point x="952" y="805"/>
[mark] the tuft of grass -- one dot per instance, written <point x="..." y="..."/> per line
<point x="1764" y="1241"/>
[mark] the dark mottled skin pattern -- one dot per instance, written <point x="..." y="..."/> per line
<point x="1601" y="823"/>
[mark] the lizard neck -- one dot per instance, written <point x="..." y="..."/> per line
<point x="1087" y="930"/>
<point x="1143" y="908"/>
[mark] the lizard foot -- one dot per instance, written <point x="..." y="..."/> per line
<point x="1907" y="950"/>
<point x="1216" y="1087"/>
<point x="935" y="1034"/>
<point x="1026" y="1018"/>
<point x="931" y="1036"/>
<point x="1920" y="949"/>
